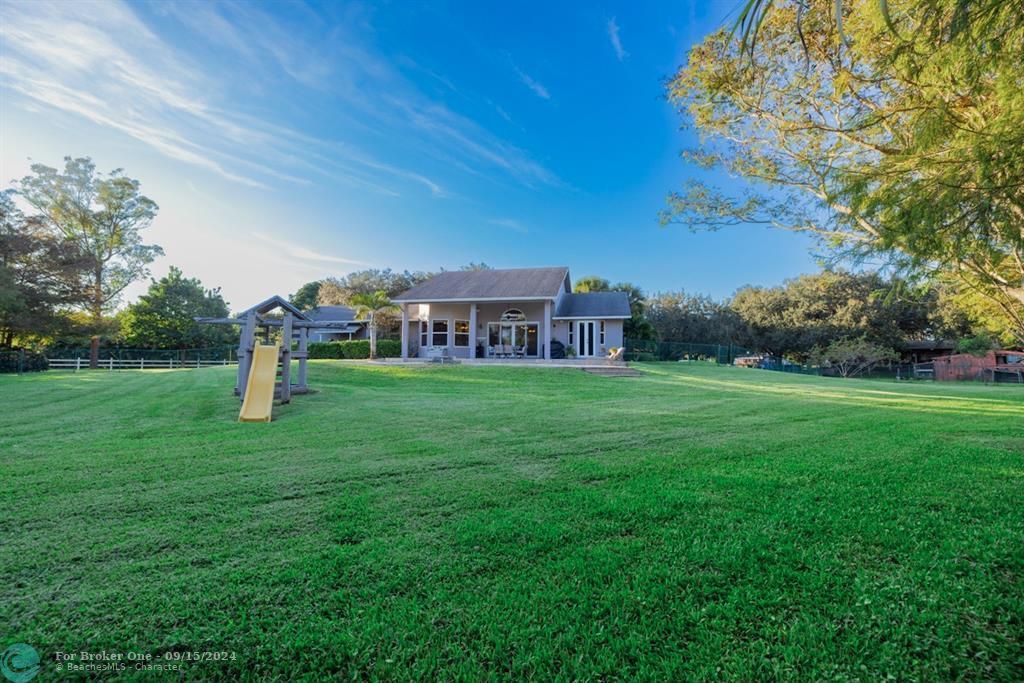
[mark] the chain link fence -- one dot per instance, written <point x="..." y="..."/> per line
<point x="649" y="350"/>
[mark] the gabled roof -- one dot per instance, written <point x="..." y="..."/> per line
<point x="273" y="302"/>
<point x="594" y="305"/>
<point x="331" y="313"/>
<point x="477" y="285"/>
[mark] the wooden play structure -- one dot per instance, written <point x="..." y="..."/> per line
<point x="264" y="368"/>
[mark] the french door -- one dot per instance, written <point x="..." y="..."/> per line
<point x="586" y="344"/>
<point x="507" y="338"/>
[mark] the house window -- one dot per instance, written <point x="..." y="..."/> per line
<point x="439" y="333"/>
<point x="462" y="333"/>
<point x="423" y="334"/>
<point x="602" y="332"/>
<point x="572" y="328"/>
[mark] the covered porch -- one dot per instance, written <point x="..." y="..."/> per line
<point x="488" y="330"/>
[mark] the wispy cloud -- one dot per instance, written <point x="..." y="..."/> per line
<point x="105" y="63"/>
<point x="613" y="36"/>
<point x="294" y="251"/>
<point x="538" y="89"/>
<point x="510" y="224"/>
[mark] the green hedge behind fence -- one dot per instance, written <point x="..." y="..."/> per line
<point x="355" y="349"/>
<point x="648" y="350"/>
<point x="22" y="361"/>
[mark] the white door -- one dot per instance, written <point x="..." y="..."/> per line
<point x="585" y="342"/>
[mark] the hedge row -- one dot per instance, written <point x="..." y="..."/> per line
<point x="355" y="349"/>
<point x="12" y="361"/>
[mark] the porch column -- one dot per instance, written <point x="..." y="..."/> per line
<point x="472" y="330"/>
<point x="405" y="332"/>
<point x="547" y="330"/>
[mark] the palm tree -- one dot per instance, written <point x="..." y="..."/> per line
<point x="368" y="306"/>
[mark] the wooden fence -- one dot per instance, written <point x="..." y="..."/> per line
<point x="77" y="364"/>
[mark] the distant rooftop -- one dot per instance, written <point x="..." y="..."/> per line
<point x="331" y="314"/>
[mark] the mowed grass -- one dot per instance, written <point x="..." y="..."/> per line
<point x="460" y="523"/>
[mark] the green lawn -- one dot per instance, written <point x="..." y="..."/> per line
<point x="462" y="523"/>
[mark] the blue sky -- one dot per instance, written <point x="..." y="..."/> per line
<point x="411" y="135"/>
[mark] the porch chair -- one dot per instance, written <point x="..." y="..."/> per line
<point x="520" y="352"/>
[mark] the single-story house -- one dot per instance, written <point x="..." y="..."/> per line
<point x="511" y="313"/>
<point x="925" y="350"/>
<point x="342" y="317"/>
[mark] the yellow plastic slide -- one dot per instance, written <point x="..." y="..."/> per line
<point x="259" y="390"/>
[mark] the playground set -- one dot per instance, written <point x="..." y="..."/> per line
<point x="264" y="368"/>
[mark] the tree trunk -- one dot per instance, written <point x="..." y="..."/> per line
<point x="373" y="339"/>
<point x="97" y="318"/>
<point x="94" y="352"/>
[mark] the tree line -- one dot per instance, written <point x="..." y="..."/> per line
<point x="891" y="131"/>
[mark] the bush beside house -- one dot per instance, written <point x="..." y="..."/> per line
<point x="354" y="349"/>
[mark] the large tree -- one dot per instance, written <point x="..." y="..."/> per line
<point x="40" y="275"/>
<point x="307" y="296"/>
<point x="344" y="290"/>
<point x="103" y="217"/>
<point x="815" y="310"/>
<point x="890" y="140"/>
<point x="695" y="318"/>
<point x="164" y="317"/>
<point x="335" y="291"/>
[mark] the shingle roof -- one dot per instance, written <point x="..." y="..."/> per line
<point x="512" y="283"/>
<point x="594" y="305"/>
<point x="331" y="313"/>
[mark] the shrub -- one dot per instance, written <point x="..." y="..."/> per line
<point x="30" y="362"/>
<point x="318" y="350"/>
<point x="389" y="348"/>
<point x="354" y="349"/>
<point x="978" y="345"/>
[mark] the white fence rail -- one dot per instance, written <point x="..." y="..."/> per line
<point x="135" y="363"/>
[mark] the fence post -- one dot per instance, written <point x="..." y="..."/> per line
<point x="142" y="363"/>
<point x="111" y="363"/>
<point x="78" y="363"/>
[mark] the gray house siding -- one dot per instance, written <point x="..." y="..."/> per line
<point x="490" y="312"/>
<point x="612" y="334"/>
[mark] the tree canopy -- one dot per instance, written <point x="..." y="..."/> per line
<point x="164" y="317"/>
<point x="103" y="216"/>
<point x="307" y="295"/>
<point x="335" y="291"/>
<point x="40" y="275"/>
<point x="890" y="140"/>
